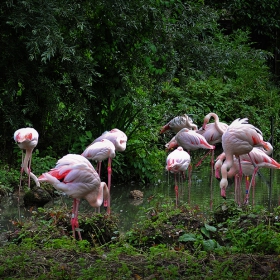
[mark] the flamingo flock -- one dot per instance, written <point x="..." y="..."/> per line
<point x="74" y="174"/>
<point x="244" y="153"/>
<point x="244" y="150"/>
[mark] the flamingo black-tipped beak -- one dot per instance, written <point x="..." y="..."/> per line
<point x="223" y="193"/>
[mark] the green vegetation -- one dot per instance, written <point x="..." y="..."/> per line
<point x="165" y="243"/>
<point x="72" y="70"/>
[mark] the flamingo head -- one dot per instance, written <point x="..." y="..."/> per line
<point x="171" y="144"/>
<point x="223" y="186"/>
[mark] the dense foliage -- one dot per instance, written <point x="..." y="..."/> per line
<point x="73" y="69"/>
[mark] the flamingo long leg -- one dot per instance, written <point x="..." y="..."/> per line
<point x="74" y="218"/>
<point x="176" y="190"/>
<point x="204" y="157"/>
<point x="107" y="203"/>
<point x="252" y="183"/>
<point x="98" y="168"/>
<point x="211" y="180"/>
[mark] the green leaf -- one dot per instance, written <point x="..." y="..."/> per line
<point x="187" y="237"/>
<point x="210" y="228"/>
<point x="209" y="245"/>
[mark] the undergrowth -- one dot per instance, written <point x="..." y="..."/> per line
<point x="165" y="243"/>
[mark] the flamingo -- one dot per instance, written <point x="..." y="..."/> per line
<point x="119" y="139"/>
<point x="239" y="138"/>
<point x="75" y="176"/>
<point x="178" y="162"/>
<point x="189" y="140"/>
<point x="179" y="122"/>
<point x="247" y="170"/>
<point x="27" y="139"/>
<point x="212" y="131"/>
<point x="258" y="158"/>
<point x="100" y="151"/>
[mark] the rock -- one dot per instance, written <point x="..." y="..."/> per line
<point x="37" y="197"/>
<point x="136" y="194"/>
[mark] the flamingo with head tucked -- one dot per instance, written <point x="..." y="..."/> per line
<point x="75" y="176"/>
<point x="177" y="162"/>
<point x="27" y="139"/>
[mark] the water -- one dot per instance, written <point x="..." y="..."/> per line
<point x="200" y="194"/>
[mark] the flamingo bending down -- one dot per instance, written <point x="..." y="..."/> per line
<point x="189" y="140"/>
<point x="239" y="138"/>
<point x="179" y="122"/>
<point x="178" y="162"/>
<point x="258" y="158"/>
<point x="27" y="139"/>
<point x="119" y="139"/>
<point x="247" y="170"/>
<point x="75" y="176"/>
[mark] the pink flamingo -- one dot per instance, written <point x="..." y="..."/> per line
<point x="119" y="139"/>
<point x="258" y="158"/>
<point x="179" y="122"/>
<point x="27" y="139"/>
<point x="178" y="162"/>
<point x="189" y="140"/>
<point x="75" y="176"/>
<point x="247" y="170"/>
<point x="100" y="151"/>
<point x="239" y="138"/>
<point x="212" y="132"/>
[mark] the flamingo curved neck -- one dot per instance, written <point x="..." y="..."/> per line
<point x="26" y="168"/>
<point x="217" y="121"/>
<point x="103" y="194"/>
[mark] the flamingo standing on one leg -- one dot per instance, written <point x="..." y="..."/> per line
<point x="239" y="138"/>
<point x="179" y="122"/>
<point x="119" y="139"/>
<point x="178" y="162"/>
<point x="74" y="175"/>
<point x="27" y="139"/>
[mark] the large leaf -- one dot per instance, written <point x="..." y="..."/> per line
<point x="187" y="237"/>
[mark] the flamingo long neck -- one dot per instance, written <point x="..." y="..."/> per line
<point x="26" y="167"/>
<point x="217" y="122"/>
<point x="224" y="170"/>
<point x="103" y="193"/>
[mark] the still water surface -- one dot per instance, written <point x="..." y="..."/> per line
<point x="200" y="194"/>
